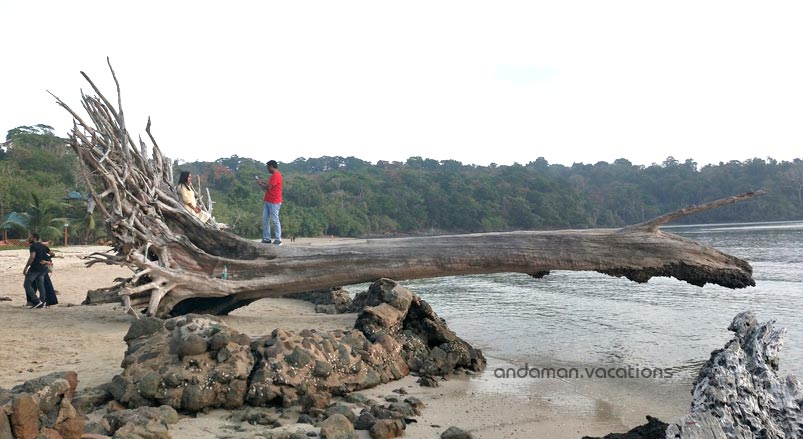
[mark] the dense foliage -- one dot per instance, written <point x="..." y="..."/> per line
<point x="351" y="197"/>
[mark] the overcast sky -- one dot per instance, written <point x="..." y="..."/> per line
<point x="478" y="82"/>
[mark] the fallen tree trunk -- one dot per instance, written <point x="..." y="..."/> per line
<point x="177" y="260"/>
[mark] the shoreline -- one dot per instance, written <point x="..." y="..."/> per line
<point x="89" y="340"/>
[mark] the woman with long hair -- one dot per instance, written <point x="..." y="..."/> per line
<point x="189" y="198"/>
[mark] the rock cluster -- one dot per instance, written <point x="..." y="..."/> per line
<point x="41" y="407"/>
<point x="189" y="363"/>
<point x="196" y="362"/>
<point x="295" y="368"/>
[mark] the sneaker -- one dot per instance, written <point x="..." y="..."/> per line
<point x="277" y="242"/>
<point x="266" y="241"/>
<point x="38" y="305"/>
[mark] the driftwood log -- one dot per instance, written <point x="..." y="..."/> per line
<point x="177" y="260"/>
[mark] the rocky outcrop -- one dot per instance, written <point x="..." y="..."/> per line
<point x="41" y="406"/>
<point x="428" y="346"/>
<point x="196" y="362"/>
<point x="189" y="363"/>
<point x="739" y="393"/>
<point x="293" y="369"/>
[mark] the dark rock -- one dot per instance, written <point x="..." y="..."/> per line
<point x="145" y="422"/>
<point x="143" y="327"/>
<point x="365" y="421"/>
<point x="332" y="301"/>
<point x="456" y="433"/>
<point x="219" y="341"/>
<point x="342" y="410"/>
<point x="326" y="309"/>
<point x="337" y="427"/>
<point x="403" y="408"/>
<point x="386" y="413"/>
<point x="426" y="381"/>
<point x="193" y="344"/>
<point x="314" y="401"/>
<point x="387" y="429"/>
<point x="100" y="428"/>
<point x="416" y="404"/>
<point x="90" y="399"/>
<point x="356" y="398"/>
<point x="653" y="429"/>
<point x="255" y="416"/>
<point x="306" y="419"/>
<point x="298" y="358"/>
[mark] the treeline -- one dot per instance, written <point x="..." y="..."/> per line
<point x="351" y="197"/>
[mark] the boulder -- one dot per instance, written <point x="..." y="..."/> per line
<point x="41" y="407"/>
<point x="387" y="429"/>
<point x="428" y="346"/>
<point x="189" y="363"/>
<point x="337" y="427"/>
<point x="456" y="433"/>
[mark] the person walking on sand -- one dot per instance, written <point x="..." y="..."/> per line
<point x="35" y="272"/>
<point x="273" y="202"/>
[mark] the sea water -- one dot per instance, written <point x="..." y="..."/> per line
<point x="609" y="331"/>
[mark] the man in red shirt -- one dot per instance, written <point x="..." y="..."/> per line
<point x="273" y="202"/>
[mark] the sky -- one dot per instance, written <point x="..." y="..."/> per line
<point x="478" y="82"/>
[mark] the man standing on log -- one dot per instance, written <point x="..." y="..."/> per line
<point x="273" y="202"/>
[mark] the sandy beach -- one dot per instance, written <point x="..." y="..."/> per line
<point x="89" y="340"/>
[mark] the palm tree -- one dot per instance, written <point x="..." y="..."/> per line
<point x="43" y="217"/>
<point x="82" y="223"/>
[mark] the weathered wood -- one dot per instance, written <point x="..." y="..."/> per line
<point x="177" y="260"/>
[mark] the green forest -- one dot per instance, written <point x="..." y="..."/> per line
<point x="41" y="189"/>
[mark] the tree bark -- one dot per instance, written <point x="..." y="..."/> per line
<point x="177" y="260"/>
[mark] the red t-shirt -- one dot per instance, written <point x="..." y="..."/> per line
<point x="274" y="194"/>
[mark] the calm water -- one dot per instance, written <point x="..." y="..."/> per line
<point x="589" y="319"/>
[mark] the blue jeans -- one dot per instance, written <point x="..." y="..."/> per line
<point x="270" y="214"/>
<point x="35" y="280"/>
